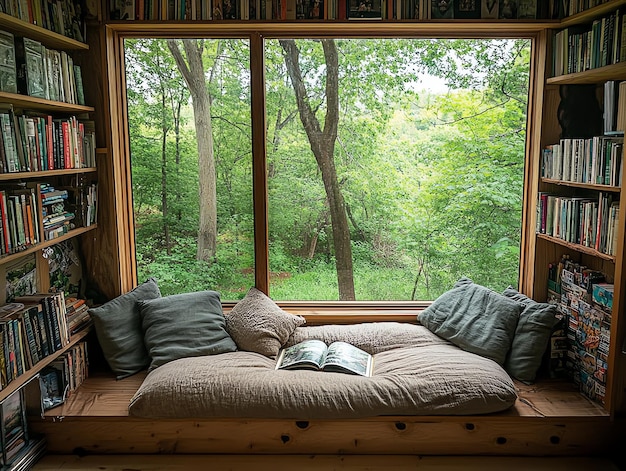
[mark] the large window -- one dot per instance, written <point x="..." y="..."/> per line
<point x="393" y="166"/>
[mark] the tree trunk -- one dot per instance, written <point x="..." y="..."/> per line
<point x="194" y="74"/>
<point x="323" y="146"/>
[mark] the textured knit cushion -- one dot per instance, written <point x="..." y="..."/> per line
<point x="531" y="336"/>
<point x="474" y="318"/>
<point x="184" y="325"/>
<point x="257" y="324"/>
<point x="118" y="327"/>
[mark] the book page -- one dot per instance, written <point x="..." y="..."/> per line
<point x="309" y="353"/>
<point x="346" y="358"/>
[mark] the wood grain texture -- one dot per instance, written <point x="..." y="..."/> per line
<point x="493" y="435"/>
<point x="318" y="462"/>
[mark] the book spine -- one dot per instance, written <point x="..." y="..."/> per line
<point x="67" y="153"/>
<point x="33" y="354"/>
<point x="3" y="356"/>
<point x="44" y="338"/>
<point x="54" y="320"/>
<point x="18" y="343"/>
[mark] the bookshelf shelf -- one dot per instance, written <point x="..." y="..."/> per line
<point x="589" y="186"/>
<point x="32" y="372"/>
<point x="47" y="243"/>
<point x="47" y="37"/>
<point x="25" y="101"/>
<point x="577" y="247"/>
<point x="591" y="14"/>
<point x="45" y="173"/>
<point x="591" y="76"/>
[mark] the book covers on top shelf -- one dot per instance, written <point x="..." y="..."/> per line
<point x="65" y="17"/>
<point x="325" y="9"/>
<point x="580" y="344"/>
<point x="338" y="357"/>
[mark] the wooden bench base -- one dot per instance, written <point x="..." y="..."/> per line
<point x="548" y="419"/>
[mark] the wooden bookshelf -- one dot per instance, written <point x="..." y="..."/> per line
<point x="48" y="243"/>
<point x="45" y="173"/>
<point x="50" y="38"/>
<point x="32" y="372"/>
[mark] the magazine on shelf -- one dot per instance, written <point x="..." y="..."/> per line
<point x="339" y="357"/>
<point x="13" y="424"/>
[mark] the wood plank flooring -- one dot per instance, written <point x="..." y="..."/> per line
<point x="318" y="462"/>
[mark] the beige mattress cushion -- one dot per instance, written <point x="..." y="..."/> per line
<point x="415" y="373"/>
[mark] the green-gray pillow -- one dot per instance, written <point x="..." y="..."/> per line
<point x="184" y="325"/>
<point x="475" y="319"/>
<point x="258" y="324"/>
<point x="531" y="336"/>
<point x="119" y="332"/>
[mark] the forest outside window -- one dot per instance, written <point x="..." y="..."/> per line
<point x="394" y="166"/>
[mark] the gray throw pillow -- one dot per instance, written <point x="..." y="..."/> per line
<point x="531" y="336"/>
<point x="475" y="319"/>
<point x="184" y="325"/>
<point x="257" y="324"/>
<point x="118" y="328"/>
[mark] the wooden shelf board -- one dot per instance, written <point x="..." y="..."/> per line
<point x="577" y="247"/>
<point x="48" y="38"/>
<point x="32" y="372"/>
<point x="591" y="14"/>
<point x="590" y="186"/>
<point x="344" y="28"/>
<point x="45" y="173"/>
<point x="601" y="74"/>
<point x="41" y="104"/>
<point x="47" y="243"/>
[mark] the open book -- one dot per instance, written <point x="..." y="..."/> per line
<point x="340" y="357"/>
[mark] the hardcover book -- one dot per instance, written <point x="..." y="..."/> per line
<point x="365" y="9"/>
<point x="29" y="65"/>
<point x="338" y="357"/>
<point x="8" y="81"/>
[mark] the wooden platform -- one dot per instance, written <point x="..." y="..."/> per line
<point x="319" y="462"/>
<point x="549" y="418"/>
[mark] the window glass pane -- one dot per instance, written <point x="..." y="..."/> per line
<point x="191" y="163"/>
<point x="394" y="166"/>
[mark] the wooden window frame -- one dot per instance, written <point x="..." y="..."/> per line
<point x="256" y="33"/>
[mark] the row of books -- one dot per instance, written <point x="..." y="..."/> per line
<point x="64" y="374"/>
<point x="583" y="221"/>
<point x="564" y="8"/>
<point x="61" y="16"/>
<point x="31" y="213"/>
<point x="34" y="142"/>
<point x="584" y="47"/>
<point x="30" y="68"/>
<point x="580" y="343"/>
<point x="20" y="449"/>
<point x="322" y="9"/>
<point x="33" y="327"/>
<point x="598" y="160"/>
<point x="20" y="218"/>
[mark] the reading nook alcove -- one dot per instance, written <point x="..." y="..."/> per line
<point x="431" y="388"/>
